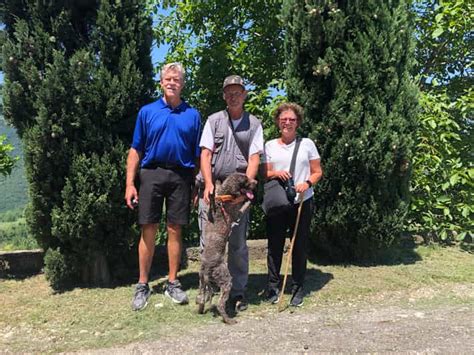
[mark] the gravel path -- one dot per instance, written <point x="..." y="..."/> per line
<point x="368" y="329"/>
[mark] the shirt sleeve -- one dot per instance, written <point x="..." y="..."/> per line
<point x="313" y="153"/>
<point x="139" y="134"/>
<point x="207" y="138"/>
<point x="257" y="142"/>
<point x="267" y="154"/>
<point x="198" y="136"/>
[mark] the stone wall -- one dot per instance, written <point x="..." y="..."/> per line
<point x="20" y="262"/>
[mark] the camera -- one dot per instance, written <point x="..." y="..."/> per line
<point x="290" y="190"/>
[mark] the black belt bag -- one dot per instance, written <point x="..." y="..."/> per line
<point x="279" y="196"/>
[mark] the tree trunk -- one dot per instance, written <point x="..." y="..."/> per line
<point x="96" y="272"/>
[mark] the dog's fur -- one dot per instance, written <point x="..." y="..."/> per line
<point x="214" y="270"/>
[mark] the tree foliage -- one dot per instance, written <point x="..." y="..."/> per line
<point x="445" y="43"/>
<point x="6" y="161"/>
<point x="75" y="75"/>
<point x="214" y="39"/>
<point x="13" y="187"/>
<point x="349" y="64"/>
<point x="442" y="184"/>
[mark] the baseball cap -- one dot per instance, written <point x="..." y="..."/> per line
<point x="233" y="80"/>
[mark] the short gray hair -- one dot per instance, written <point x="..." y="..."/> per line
<point x="175" y="66"/>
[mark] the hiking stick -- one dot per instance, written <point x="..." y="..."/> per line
<point x="289" y="255"/>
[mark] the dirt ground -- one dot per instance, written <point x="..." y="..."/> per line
<point x="403" y="327"/>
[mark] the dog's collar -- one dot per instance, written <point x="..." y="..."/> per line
<point x="224" y="198"/>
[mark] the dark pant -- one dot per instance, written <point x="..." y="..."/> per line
<point x="278" y="228"/>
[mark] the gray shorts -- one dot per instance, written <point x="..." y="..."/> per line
<point x="171" y="186"/>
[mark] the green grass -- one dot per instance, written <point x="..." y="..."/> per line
<point x="14" y="236"/>
<point x="14" y="232"/>
<point x="35" y="319"/>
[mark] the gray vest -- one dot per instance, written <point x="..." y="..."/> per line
<point x="231" y="153"/>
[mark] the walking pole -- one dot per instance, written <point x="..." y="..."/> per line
<point x="280" y="308"/>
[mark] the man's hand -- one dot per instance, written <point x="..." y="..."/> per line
<point x="208" y="191"/>
<point x="131" y="196"/>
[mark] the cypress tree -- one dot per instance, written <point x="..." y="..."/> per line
<point x="76" y="73"/>
<point x="348" y="64"/>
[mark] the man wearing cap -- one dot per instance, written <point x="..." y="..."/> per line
<point x="232" y="141"/>
<point x="165" y="148"/>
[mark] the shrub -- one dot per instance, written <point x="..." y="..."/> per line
<point x="443" y="181"/>
<point x="59" y="271"/>
<point x="349" y="66"/>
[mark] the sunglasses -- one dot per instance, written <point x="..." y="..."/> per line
<point x="290" y="120"/>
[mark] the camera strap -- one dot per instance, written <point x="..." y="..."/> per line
<point x="293" y="158"/>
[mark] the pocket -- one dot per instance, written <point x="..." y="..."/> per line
<point x="142" y="174"/>
<point x="203" y="209"/>
<point x="225" y="165"/>
<point x="241" y="163"/>
<point x="218" y="142"/>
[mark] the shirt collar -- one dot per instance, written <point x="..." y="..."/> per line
<point x="181" y="107"/>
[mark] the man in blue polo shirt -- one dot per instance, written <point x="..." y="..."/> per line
<point x="165" y="148"/>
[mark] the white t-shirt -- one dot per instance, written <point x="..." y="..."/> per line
<point x="279" y="155"/>
<point x="207" y="138"/>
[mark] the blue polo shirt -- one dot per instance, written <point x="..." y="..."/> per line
<point x="166" y="135"/>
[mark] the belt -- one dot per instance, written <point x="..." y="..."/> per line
<point x="167" y="166"/>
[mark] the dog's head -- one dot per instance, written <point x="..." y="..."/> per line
<point x="237" y="185"/>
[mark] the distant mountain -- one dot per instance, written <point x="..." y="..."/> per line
<point x="13" y="188"/>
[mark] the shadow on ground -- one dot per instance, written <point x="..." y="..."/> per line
<point x="315" y="281"/>
<point x="401" y="253"/>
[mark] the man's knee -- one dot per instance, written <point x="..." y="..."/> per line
<point x="174" y="230"/>
<point x="149" y="232"/>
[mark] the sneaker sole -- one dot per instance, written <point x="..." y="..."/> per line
<point x="241" y="309"/>
<point x="139" y="309"/>
<point x="296" y="305"/>
<point x="274" y="301"/>
<point x="175" y="301"/>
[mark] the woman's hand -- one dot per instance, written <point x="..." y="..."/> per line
<point x="281" y="175"/>
<point x="301" y="187"/>
<point x="269" y="173"/>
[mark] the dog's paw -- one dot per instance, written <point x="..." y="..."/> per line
<point x="230" y="321"/>
<point x="199" y="299"/>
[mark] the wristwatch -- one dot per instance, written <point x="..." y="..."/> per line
<point x="309" y="183"/>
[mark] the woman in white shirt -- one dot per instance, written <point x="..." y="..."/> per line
<point x="278" y="154"/>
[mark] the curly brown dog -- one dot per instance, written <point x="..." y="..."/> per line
<point x="231" y="200"/>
